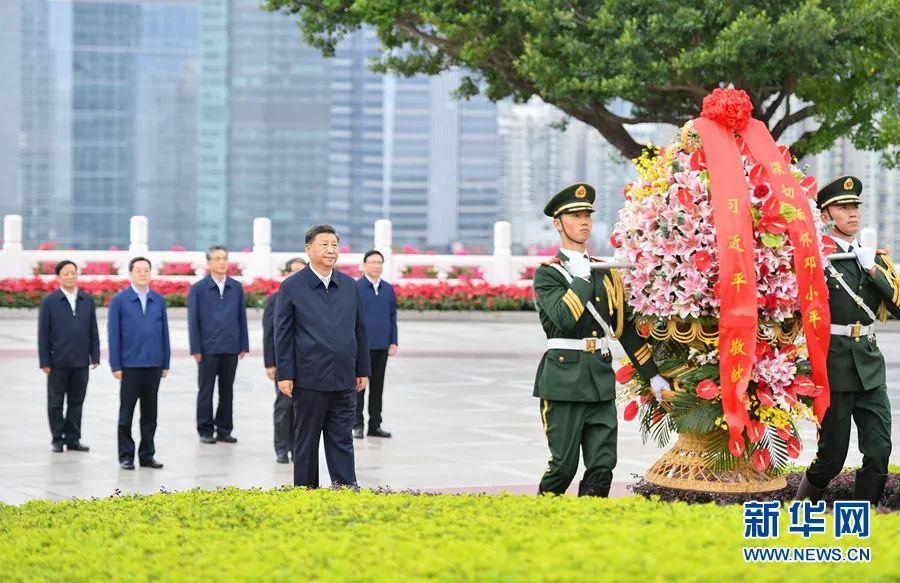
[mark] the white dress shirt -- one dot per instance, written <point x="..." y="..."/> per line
<point x="72" y="297"/>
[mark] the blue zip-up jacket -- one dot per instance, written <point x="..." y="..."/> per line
<point x="138" y="340"/>
<point x="320" y="335"/>
<point x="381" y="313"/>
<point x="67" y="340"/>
<point x="217" y="324"/>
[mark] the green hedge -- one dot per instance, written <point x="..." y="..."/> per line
<point x="296" y="535"/>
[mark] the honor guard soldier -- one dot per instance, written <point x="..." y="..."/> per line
<point x="858" y="289"/>
<point x="581" y="309"/>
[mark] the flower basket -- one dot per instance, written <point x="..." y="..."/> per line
<point x="728" y="289"/>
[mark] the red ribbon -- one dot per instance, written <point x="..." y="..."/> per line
<point x="801" y="231"/>
<point x="737" y="272"/>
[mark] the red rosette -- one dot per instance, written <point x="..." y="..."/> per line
<point x="728" y="107"/>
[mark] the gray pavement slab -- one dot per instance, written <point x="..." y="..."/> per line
<point x="457" y="398"/>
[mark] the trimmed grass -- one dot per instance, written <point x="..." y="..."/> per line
<point x="298" y="535"/>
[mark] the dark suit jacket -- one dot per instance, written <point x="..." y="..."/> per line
<point x="66" y="340"/>
<point x="320" y="335"/>
<point x="268" y="323"/>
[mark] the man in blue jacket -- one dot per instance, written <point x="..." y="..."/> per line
<point x="322" y="357"/>
<point x="283" y="411"/>
<point x="380" y="305"/>
<point x="68" y="342"/>
<point x="139" y="355"/>
<point x="217" y="326"/>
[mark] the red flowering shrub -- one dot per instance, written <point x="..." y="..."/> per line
<point x="27" y="293"/>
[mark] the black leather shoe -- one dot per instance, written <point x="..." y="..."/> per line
<point x="226" y="439"/>
<point x="58" y="447"/>
<point x="282" y="459"/>
<point x="357" y="433"/>
<point x="378" y="432"/>
<point x="207" y="439"/>
<point x="127" y="465"/>
<point x="77" y="446"/>
<point x="151" y="463"/>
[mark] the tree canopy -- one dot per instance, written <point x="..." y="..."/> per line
<point x="832" y="66"/>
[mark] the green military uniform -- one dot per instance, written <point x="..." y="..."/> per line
<point x="856" y="369"/>
<point x="576" y="384"/>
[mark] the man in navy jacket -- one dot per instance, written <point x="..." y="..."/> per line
<point x="283" y="411"/>
<point x="380" y="305"/>
<point x="139" y="354"/>
<point x="217" y="327"/>
<point x="68" y="342"/>
<point x="322" y="356"/>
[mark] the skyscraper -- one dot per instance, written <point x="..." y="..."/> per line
<point x="263" y="127"/>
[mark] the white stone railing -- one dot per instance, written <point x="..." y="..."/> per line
<point x="501" y="267"/>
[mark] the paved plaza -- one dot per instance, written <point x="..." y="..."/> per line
<point x="457" y="398"/>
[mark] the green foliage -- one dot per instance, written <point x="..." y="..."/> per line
<point x="838" y="59"/>
<point x="297" y="535"/>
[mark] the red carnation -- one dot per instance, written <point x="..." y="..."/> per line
<point x="728" y="107"/>
<point x="624" y="374"/>
<point x="707" y="389"/>
<point x="631" y="411"/>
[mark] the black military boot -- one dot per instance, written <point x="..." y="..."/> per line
<point x="600" y="490"/>
<point x="869" y="486"/>
<point x="807" y="491"/>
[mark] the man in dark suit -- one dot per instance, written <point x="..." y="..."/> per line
<point x="139" y="354"/>
<point x="217" y="327"/>
<point x="322" y="356"/>
<point x="380" y="305"/>
<point x="283" y="413"/>
<point x="68" y="342"/>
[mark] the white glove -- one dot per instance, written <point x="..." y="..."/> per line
<point x="658" y="384"/>
<point x="865" y="256"/>
<point x="579" y="267"/>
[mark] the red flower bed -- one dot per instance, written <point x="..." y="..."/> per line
<point x="27" y="293"/>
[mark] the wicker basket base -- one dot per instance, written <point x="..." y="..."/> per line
<point x="684" y="467"/>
